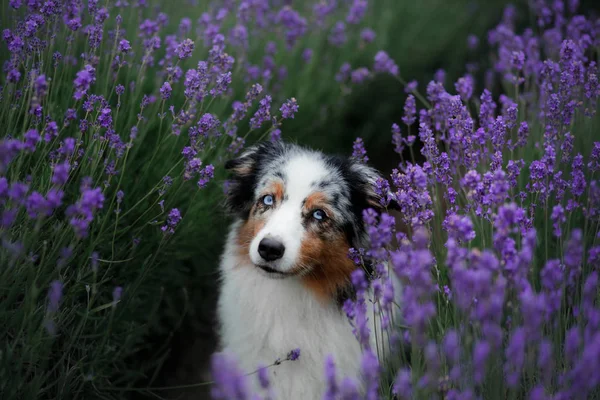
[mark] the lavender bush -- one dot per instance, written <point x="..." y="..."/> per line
<point x="497" y="240"/>
<point x="116" y="118"/>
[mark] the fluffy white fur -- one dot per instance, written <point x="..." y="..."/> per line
<point x="264" y="318"/>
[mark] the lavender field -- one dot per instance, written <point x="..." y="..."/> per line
<point x="116" y="119"/>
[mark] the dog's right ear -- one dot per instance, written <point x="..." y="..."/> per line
<point x="243" y="179"/>
<point x="244" y="164"/>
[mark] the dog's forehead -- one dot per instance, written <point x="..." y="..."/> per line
<point x="303" y="173"/>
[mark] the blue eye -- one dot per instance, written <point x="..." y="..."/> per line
<point x="319" y="215"/>
<point x="268" y="200"/>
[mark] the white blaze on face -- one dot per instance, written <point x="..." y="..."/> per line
<point x="285" y="222"/>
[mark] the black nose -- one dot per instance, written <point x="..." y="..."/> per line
<point x="270" y="249"/>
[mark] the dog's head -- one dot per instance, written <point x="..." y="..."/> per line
<point x="301" y="211"/>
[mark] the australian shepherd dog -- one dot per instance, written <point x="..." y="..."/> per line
<point x="285" y="268"/>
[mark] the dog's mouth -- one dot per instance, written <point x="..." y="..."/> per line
<point x="272" y="272"/>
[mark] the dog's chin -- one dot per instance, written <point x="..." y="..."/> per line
<point x="271" y="273"/>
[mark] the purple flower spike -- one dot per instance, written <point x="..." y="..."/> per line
<point x="230" y="381"/>
<point x="331" y="379"/>
<point x="359" y="152"/>
<point x="55" y="295"/>
<point x="117" y="293"/>
<point x="370" y="370"/>
<point x="367" y="35"/>
<point x="337" y="36"/>
<point x="472" y="42"/>
<point x="263" y="113"/>
<point x="124" y="46"/>
<point x="293" y="355"/>
<point x="263" y="377"/>
<point x="83" y="81"/>
<point x="403" y="384"/>
<point x="32" y="138"/>
<point x="173" y="219"/>
<point x="357" y="11"/>
<point x="307" y="55"/>
<point x="410" y="110"/>
<point x="165" y="91"/>
<point x="81" y="214"/>
<point x="464" y="87"/>
<point x="289" y="108"/>
<point x="384" y="64"/>
<point x="184" y="49"/>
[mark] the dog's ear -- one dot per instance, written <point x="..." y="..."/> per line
<point x="372" y="187"/>
<point x="245" y="171"/>
<point x="240" y="190"/>
<point x="244" y="164"/>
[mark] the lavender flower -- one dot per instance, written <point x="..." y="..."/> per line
<point x="558" y="218"/>
<point x="289" y="108"/>
<point x="331" y="380"/>
<point x="307" y="55"/>
<point x="32" y="138"/>
<point x="184" y="49"/>
<point x="294" y="25"/>
<point x="165" y="91"/>
<point x="61" y="173"/>
<point x="55" y="295"/>
<point x="357" y="11"/>
<point x="370" y="370"/>
<point x="384" y="64"/>
<point x="481" y="353"/>
<point x="472" y="42"/>
<point x="124" y="46"/>
<point x="41" y="85"/>
<point x="117" y="293"/>
<point x="367" y="35"/>
<point x="173" y="220"/>
<point x="410" y="110"/>
<point x="83" y="81"/>
<point x="206" y="174"/>
<point x="464" y="87"/>
<point x="359" y="75"/>
<point x="344" y="73"/>
<point x="403" y="384"/>
<point x="230" y="381"/>
<point x="81" y="214"/>
<point x="293" y="355"/>
<point x="359" y="152"/>
<point x="263" y="113"/>
<point x="337" y="37"/>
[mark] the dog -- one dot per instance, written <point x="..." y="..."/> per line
<point x="285" y="270"/>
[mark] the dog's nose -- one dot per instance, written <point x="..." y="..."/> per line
<point x="270" y="249"/>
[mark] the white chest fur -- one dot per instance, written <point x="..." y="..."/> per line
<point x="262" y="319"/>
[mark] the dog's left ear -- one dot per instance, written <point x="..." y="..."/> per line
<point x="376" y="195"/>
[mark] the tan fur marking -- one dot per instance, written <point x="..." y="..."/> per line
<point x="278" y="190"/>
<point x="246" y="233"/>
<point x="329" y="263"/>
<point x="315" y="200"/>
<point x="243" y="169"/>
